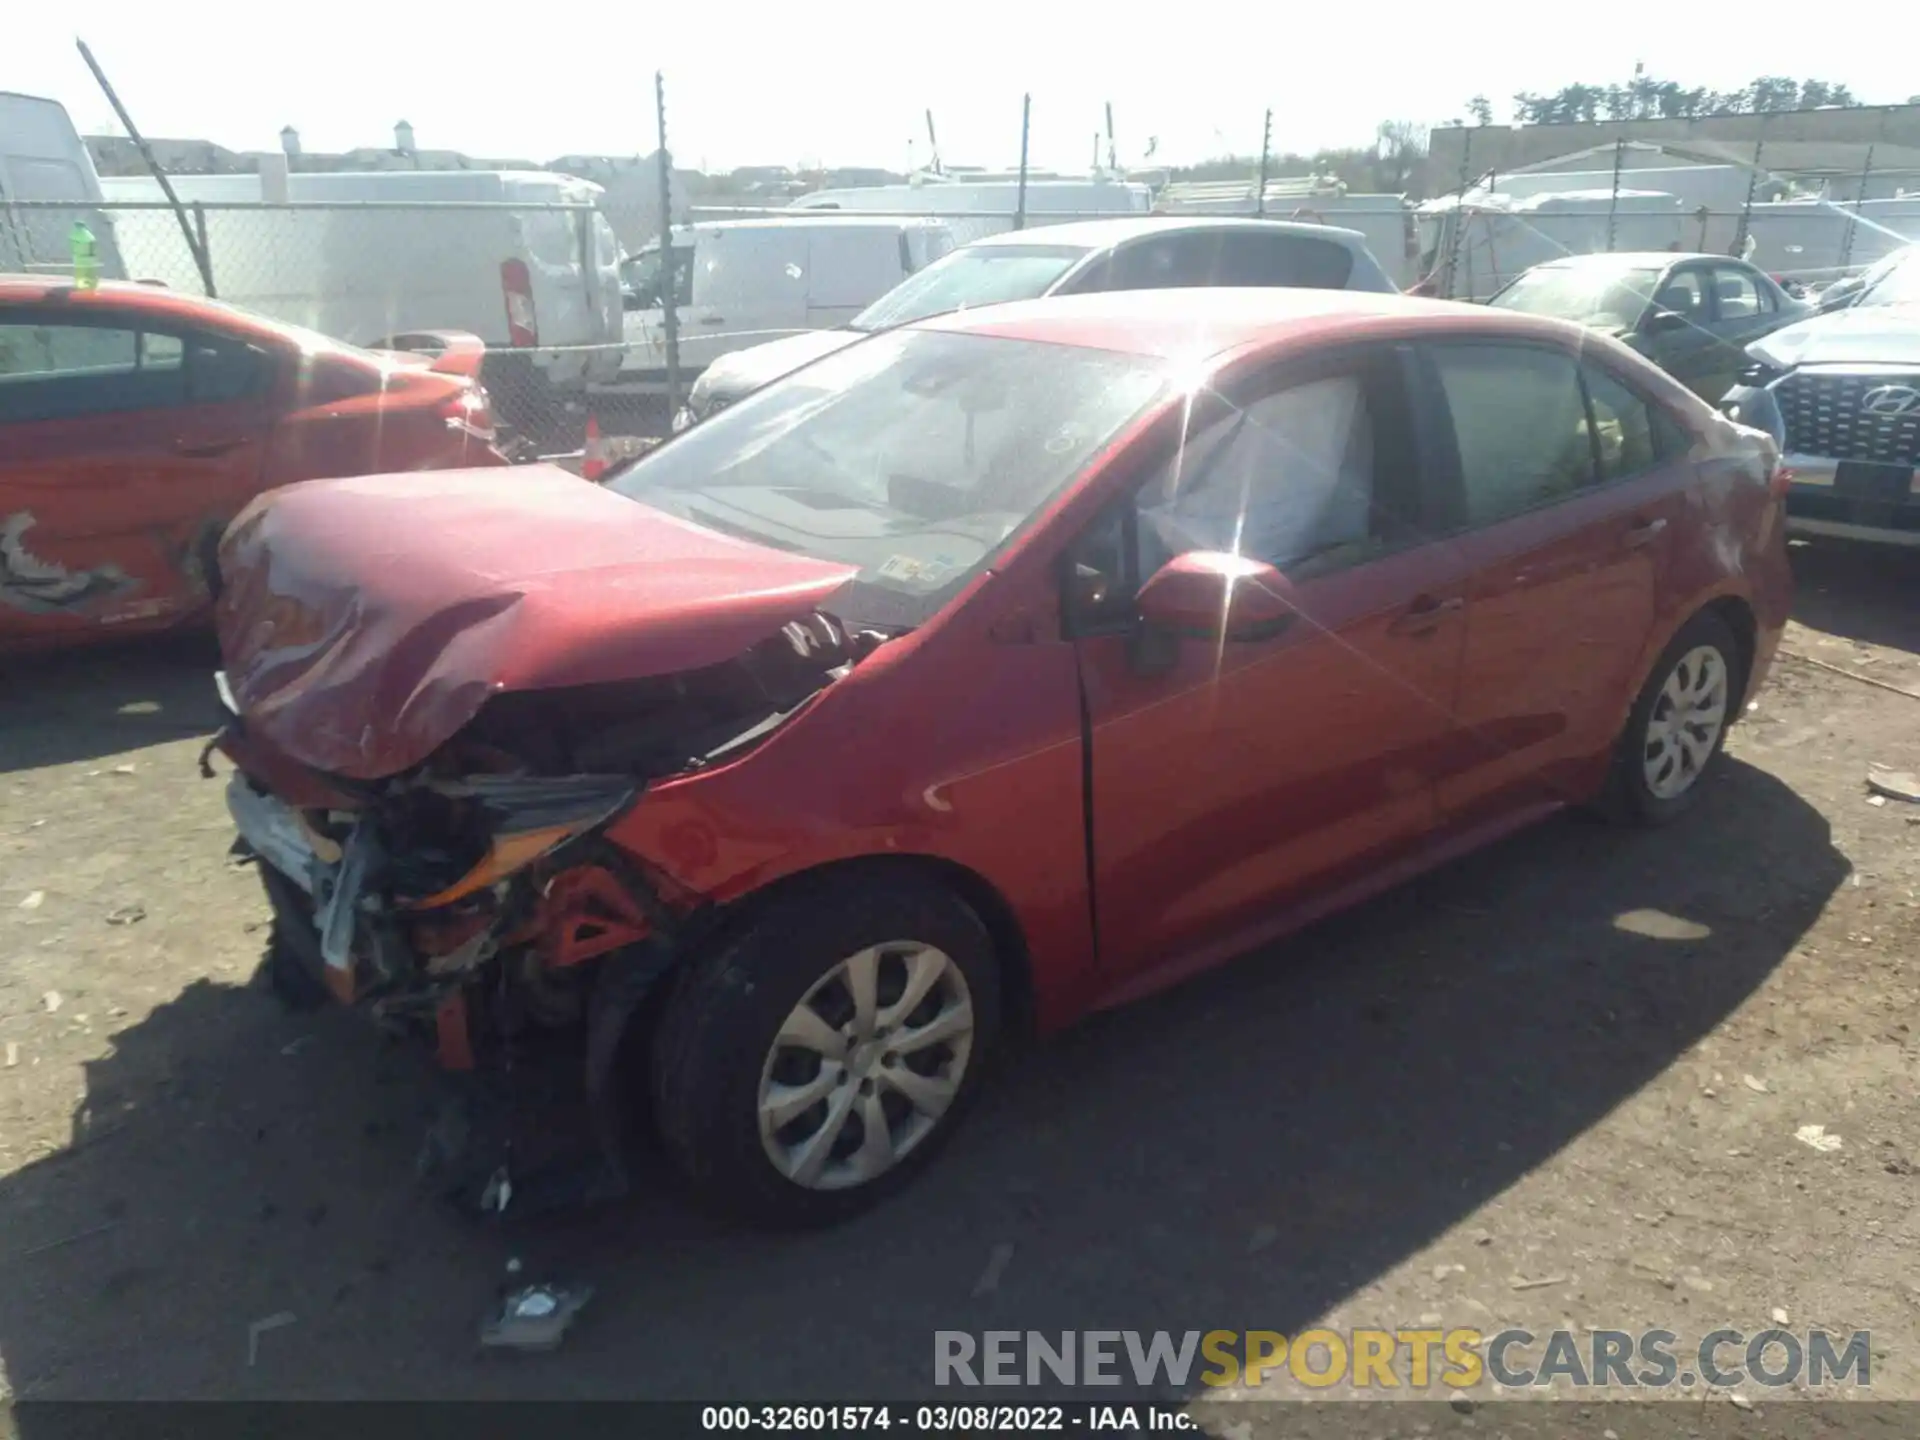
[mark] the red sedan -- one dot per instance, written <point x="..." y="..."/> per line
<point x="135" y="422"/>
<point x="987" y="672"/>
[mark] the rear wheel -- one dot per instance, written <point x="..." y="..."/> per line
<point x="815" y="1061"/>
<point x="1678" y="726"/>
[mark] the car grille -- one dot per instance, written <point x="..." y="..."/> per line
<point x="1824" y="418"/>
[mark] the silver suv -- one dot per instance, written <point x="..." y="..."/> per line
<point x="1071" y="259"/>
<point x="1840" y="392"/>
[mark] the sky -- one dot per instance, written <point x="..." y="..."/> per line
<point x="846" y="83"/>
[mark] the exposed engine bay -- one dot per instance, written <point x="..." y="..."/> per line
<point x="465" y="897"/>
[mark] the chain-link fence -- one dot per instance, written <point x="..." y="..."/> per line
<point x="575" y="322"/>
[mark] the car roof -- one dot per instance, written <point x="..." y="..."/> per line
<point x="1634" y="260"/>
<point x="823" y="219"/>
<point x="1206" y="323"/>
<point x="1102" y="234"/>
<point x="157" y="303"/>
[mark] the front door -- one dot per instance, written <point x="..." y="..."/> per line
<point x="1569" y="494"/>
<point x="1228" y="780"/>
<point x="123" y="449"/>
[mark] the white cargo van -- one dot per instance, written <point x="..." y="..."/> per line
<point x="740" y="283"/>
<point x="363" y="256"/>
<point x="42" y="159"/>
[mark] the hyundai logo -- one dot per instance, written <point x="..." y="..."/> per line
<point x="1890" y="400"/>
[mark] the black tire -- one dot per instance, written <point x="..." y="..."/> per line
<point x="1629" y="798"/>
<point x="718" y="1029"/>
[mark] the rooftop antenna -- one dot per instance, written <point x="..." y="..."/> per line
<point x="1112" y="164"/>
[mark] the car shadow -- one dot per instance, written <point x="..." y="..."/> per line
<point x="1858" y="592"/>
<point x="99" y="700"/>
<point x="1248" y="1150"/>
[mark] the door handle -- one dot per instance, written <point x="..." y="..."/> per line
<point x="1644" y="533"/>
<point x="1424" y="616"/>
<point x="206" y="449"/>
<point x="712" y="320"/>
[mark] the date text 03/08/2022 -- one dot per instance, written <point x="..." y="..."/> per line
<point x="943" y="1419"/>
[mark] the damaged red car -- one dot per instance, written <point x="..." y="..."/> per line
<point x="995" y="669"/>
<point x="136" y="422"/>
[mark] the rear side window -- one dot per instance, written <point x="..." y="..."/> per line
<point x="1735" y="294"/>
<point x="1520" y="425"/>
<point x="1229" y="257"/>
<point x="1250" y="258"/>
<point x="1624" y="425"/>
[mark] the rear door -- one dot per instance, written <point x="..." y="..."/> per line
<point x="123" y="449"/>
<point x="1687" y="349"/>
<point x="849" y="269"/>
<point x="1230" y="780"/>
<point x="1569" y="488"/>
<point x="1744" y="309"/>
<point x="749" y="286"/>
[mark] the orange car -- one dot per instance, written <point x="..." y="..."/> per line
<point x="136" y="421"/>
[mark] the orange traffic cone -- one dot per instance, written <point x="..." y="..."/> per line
<point x="593" y="462"/>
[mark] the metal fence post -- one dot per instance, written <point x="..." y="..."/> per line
<point x="1613" y="204"/>
<point x="205" y="255"/>
<point x="1266" y="158"/>
<point x="669" y="272"/>
<point x="1020" y="199"/>
<point x="1753" y="184"/>
<point x="1859" y="204"/>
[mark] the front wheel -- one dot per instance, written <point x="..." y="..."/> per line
<point x="1678" y="726"/>
<point x="818" y="1058"/>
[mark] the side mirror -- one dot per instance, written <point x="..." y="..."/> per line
<point x="1211" y="595"/>
<point x="1663" y="322"/>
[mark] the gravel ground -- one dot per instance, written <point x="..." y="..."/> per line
<point x="1556" y="1084"/>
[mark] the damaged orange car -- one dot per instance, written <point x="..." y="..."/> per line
<point x="995" y="669"/>
<point x="136" y="422"/>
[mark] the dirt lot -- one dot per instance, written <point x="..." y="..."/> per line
<point x="1579" y="1059"/>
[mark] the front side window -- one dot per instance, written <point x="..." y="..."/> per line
<point x="1287" y="477"/>
<point x="640" y="276"/>
<point x="914" y="456"/>
<point x="972" y="276"/>
<point x="1519" y="424"/>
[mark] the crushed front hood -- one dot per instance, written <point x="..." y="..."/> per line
<point x="1865" y="335"/>
<point x="363" y="622"/>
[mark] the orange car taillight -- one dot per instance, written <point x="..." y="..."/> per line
<point x="470" y="411"/>
<point x="523" y="327"/>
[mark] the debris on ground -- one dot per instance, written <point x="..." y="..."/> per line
<point x="1894" y="784"/>
<point x="261" y="1327"/>
<point x="127" y="915"/>
<point x="1779" y="1314"/>
<point x="1817" y="1137"/>
<point x="52" y="1001"/>
<point x="1755" y="1084"/>
<point x="534" y="1317"/>
<point x="989" y="1280"/>
<point x="498" y="1193"/>
<point x="1520" y="1282"/>
<point x="13" y="1053"/>
<point x="34" y="901"/>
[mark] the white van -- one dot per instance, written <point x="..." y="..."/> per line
<point x="43" y="159"/>
<point x="977" y="208"/>
<point x="740" y="283"/>
<point x="363" y="256"/>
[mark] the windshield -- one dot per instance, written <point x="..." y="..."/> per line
<point x="1899" y="285"/>
<point x="976" y="275"/>
<point x="914" y="456"/>
<point x="1586" y="293"/>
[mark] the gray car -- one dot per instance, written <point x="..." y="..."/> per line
<point x="1840" y="393"/>
<point x="1692" y="315"/>
<point x="1071" y="259"/>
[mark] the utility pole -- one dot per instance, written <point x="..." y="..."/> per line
<point x="669" y="271"/>
<point x="1266" y="155"/>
